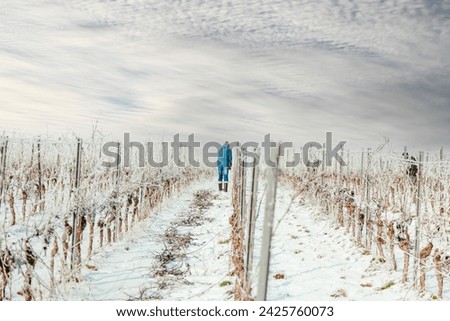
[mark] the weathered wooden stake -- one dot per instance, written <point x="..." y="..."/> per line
<point x="75" y="211"/>
<point x="4" y="150"/>
<point x="251" y="224"/>
<point x="272" y="175"/>
<point x="417" y="236"/>
<point x="367" y="219"/>
<point x="243" y="189"/>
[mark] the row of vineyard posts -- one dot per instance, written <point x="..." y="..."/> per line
<point x="71" y="205"/>
<point x="336" y="189"/>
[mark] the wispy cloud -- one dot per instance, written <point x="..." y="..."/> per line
<point x="229" y="69"/>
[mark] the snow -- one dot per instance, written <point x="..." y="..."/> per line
<point x="123" y="270"/>
<point x="322" y="262"/>
<point x="182" y="250"/>
<point x="316" y="260"/>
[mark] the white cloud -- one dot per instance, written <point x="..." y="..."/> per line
<point x="229" y="69"/>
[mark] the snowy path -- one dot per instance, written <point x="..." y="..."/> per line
<point x="320" y="262"/>
<point x="313" y="259"/>
<point x="126" y="270"/>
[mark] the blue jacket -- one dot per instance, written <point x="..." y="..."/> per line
<point x="225" y="156"/>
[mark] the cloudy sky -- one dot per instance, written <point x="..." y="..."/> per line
<point x="233" y="70"/>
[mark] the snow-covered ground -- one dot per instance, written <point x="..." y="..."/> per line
<point x="313" y="259"/>
<point x="126" y="270"/>
<point x="320" y="262"/>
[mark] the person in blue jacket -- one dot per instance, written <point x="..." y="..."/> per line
<point x="224" y="163"/>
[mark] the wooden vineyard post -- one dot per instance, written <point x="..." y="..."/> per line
<point x="118" y="164"/>
<point x="404" y="182"/>
<point x="39" y="171"/>
<point x="237" y="173"/>
<point x="141" y="198"/>
<point x="243" y="188"/>
<point x="39" y="193"/>
<point x="237" y="232"/>
<point x="4" y="151"/>
<point x="367" y="220"/>
<point x="362" y="164"/>
<point x="116" y="215"/>
<point x="237" y="178"/>
<point x="417" y="234"/>
<point x="341" y="219"/>
<point x="75" y="211"/>
<point x="251" y="224"/>
<point x="323" y="165"/>
<point x="360" y="216"/>
<point x="32" y="155"/>
<point x="272" y="177"/>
